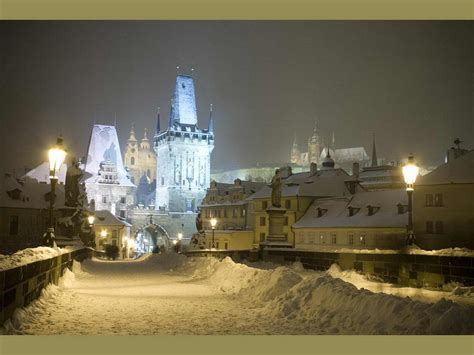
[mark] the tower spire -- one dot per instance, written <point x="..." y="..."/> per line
<point x="374" y="152"/>
<point x="211" y="122"/>
<point x="333" y="140"/>
<point x="132" y="134"/>
<point x="158" y="121"/>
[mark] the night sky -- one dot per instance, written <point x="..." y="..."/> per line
<point x="411" y="83"/>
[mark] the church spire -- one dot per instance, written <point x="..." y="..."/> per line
<point x="333" y="140"/>
<point x="158" y="121"/>
<point x="374" y="152"/>
<point x="132" y="134"/>
<point x="211" y="122"/>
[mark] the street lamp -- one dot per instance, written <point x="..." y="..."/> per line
<point x="410" y="172"/>
<point x="103" y="233"/>
<point x="91" y="220"/>
<point x="213" y="226"/>
<point x="56" y="155"/>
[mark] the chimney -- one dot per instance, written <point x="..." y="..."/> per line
<point x="313" y="168"/>
<point x="355" y="170"/>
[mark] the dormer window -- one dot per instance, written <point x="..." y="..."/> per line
<point x="321" y="211"/>
<point x="14" y="194"/>
<point x="353" y="210"/>
<point x="401" y="208"/>
<point x="372" y="209"/>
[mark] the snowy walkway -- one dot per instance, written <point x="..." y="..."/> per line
<point x="170" y="294"/>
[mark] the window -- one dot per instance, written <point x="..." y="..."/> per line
<point x="362" y="239"/>
<point x="401" y="208"/>
<point x="262" y="221"/>
<point x="333" y="238"/>
<point x="438" y="201"/>
<point x="351" y="239"/>
<point x="439" y="228"/>
<point x="321" y="239"/>
<point x="428" y="200"/>
<point x="429" y="227"/>
<point x="114" y="234"/>
<point x="226" y="245"/>
<point x="13" y="225"/>
<point x="286" y="221"/>
<point x="217" y="245"/>
<point x="104" y="199"/>
<point x="242" y="212"/>
<point x="122" y="213"/>
<point x="264" y="205"/>
<point x="288" y="204"/>
<point x="114" y="241"/>
<point x="262" y="237"/>
<point x="123" y="199"/>
<point x="162" y="181"/>
<point x="132" y="161"/>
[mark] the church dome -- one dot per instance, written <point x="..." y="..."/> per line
<point x="328" y="162"/>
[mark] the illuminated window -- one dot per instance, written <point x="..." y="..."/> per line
<point x="438" y="201"/>
<point x="362" y="239"/>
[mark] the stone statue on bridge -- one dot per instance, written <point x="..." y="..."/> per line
<point x="276" y="189"/>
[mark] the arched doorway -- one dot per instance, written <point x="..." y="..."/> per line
<point x="149" y="236"/>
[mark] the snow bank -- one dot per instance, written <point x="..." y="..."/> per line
<point x="339" y="307"/>
<point x="330" y="304"/>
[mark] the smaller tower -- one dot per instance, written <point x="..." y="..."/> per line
<point x="145" y="143"/>
<point x="374" y="152"/>
<point x="158" y="122"/>
<point x="295" y="157"/>
<point x="314" y="147"/>
<point x="131" y="154"/>
<point x="211" y="121"/>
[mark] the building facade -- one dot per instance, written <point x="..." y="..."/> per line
<point x="443" y="207"/>
<point x="183" y="153"/>
<point x="229" y="204"/>
<point x="106" y="180"/>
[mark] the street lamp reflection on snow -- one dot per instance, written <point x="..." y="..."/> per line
<point x="410" y="172"/>
<point x="213" y="226"/>
<point x="56" y="156"/>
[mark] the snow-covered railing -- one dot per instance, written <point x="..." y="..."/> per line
<point x="23" y="275"/>
<point x="406" y="269"/>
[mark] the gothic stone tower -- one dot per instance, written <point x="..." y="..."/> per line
<point x="295" y="157"/>
<point x="183" y="153"/>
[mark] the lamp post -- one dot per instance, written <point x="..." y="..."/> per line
<point x="410" y="172"/>
<point x="213" y="226"/>
<point x="56" y="155"/>
<point x="90" y="220"/>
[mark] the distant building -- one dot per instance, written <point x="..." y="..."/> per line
<point x="41" y="173"/>
<point x="228" y="203"/>
<point x="24" y="212"/>
<point x="140" y="159"/>
<point x="106" y="180"/>
<point x="317" y="151"/>
<point x="443" y="204"/>
<point x="364" y="220"/>
<point x="183" y="153"/>
<point x="111" y="230"/>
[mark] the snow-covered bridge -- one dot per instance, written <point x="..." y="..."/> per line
<point x="172" y="294"/>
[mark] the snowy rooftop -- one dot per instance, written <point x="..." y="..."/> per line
<point x="457" y="171"/>
<point x="41" y="173"/>
<point x="106" y="218"/>
<point x="346" y="154"/>
<point x="336" y="211"/>
<point x="324" y="183"/>
<point x="27" y="193"/>
<point x="104" y="146"/>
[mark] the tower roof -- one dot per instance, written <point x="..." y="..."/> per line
<point x="374" y="152"/>
<point x="211" y="121"/>
<point x="183" y="105"/>
<point x="132" y="135"/>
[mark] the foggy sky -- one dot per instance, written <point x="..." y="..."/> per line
<point x="410" y="83"/>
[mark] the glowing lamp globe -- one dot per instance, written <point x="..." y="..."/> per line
<point x="175" y="241"/>
<point x="56" y="155"/>
<point x="213" y="223"/>
<point x="180" y="236"/>
<point x="91" y="219"/>
<point x="103" y="233"/>
<point x="410" y="172"/>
